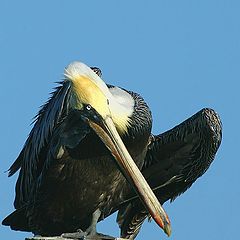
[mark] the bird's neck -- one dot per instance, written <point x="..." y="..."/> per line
<point x="121" y="105"/>
<point x="139" y="123"/>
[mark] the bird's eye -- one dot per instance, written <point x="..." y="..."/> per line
<point x="88" y="107"/>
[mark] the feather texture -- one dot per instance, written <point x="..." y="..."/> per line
<point x="174" y="160"/>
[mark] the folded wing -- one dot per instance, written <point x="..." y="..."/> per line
<point x="175" y="159"/>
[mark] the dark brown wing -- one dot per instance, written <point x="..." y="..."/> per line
<point x="56" y="127"/>
<point x="175" y="159"/>
<point x="32" y="158"/>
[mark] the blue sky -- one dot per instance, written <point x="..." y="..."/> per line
<point x="180" y="56"/>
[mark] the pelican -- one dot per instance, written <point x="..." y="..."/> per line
<point x="91" y="153"/>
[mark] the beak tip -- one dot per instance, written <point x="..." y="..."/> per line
<point x="167" y="229"/>
<point x="164" y="223"/>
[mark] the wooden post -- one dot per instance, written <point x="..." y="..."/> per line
<point x="61" y="238"/>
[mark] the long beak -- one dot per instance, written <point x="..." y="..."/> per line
<point x="109" y="135"/>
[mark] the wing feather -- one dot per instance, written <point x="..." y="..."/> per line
<point x="36" y="153"/>
<point x="174" y="160"/>
<point x="31" y="159"/>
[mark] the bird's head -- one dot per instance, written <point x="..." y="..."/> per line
<point x="109" y="115"/>
<point x="88" y="89"/>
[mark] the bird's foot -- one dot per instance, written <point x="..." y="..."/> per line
<point x="81" y="235"/>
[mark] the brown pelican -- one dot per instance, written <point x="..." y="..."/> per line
<point x="75" y="169"/>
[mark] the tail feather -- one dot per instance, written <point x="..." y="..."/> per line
<point x="17" y="220"/>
